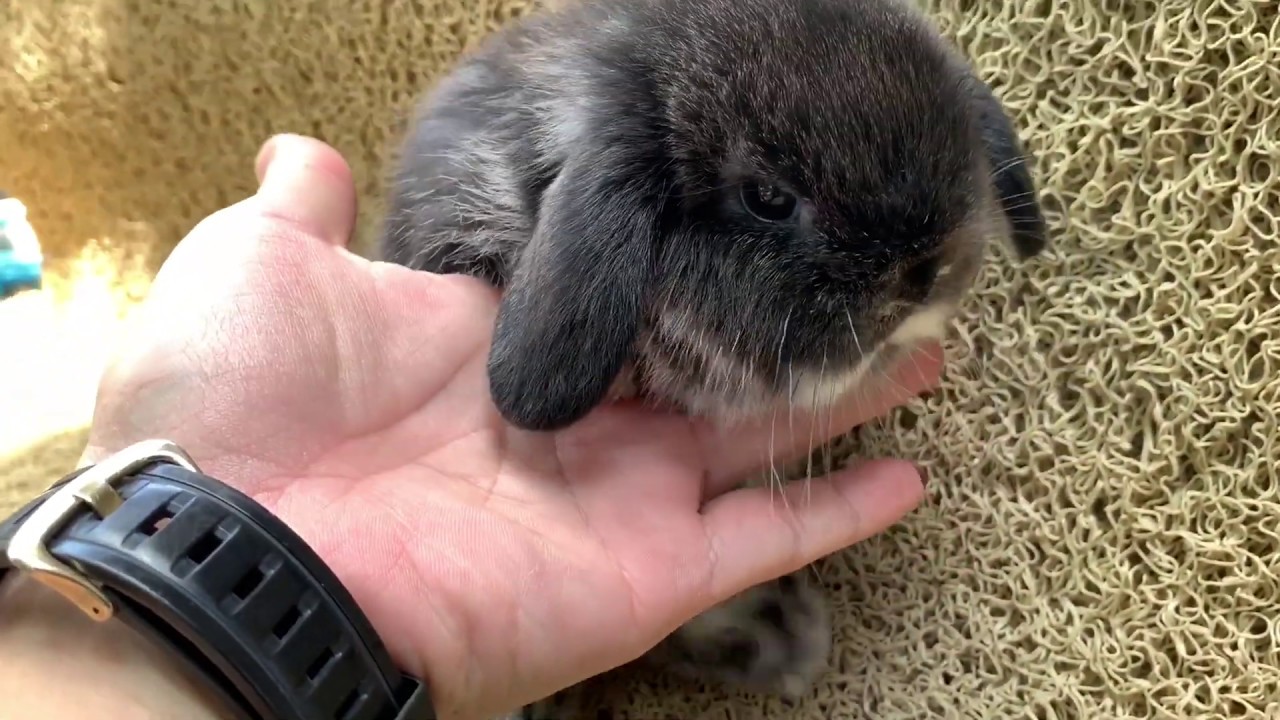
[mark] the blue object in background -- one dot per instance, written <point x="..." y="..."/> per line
<point x="21" y="261"/>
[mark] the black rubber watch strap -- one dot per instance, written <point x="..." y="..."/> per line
<point x="205" y="570"/>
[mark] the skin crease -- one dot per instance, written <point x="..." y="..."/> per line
<point x="349" y="398"/>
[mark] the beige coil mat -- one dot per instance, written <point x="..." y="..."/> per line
<point x="1102" y="533"/>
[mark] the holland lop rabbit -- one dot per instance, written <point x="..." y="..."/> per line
<point x="728" y="205"/>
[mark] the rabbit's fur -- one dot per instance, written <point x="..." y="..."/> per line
<point x="603" y="165"/>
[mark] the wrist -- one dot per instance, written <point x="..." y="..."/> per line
<point x="427" y="639"/>
<point x="420" y="612"/>
<point x="205" y="580"/>
<point x="55" y="662"/>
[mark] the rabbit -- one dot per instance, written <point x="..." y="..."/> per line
<point x="724" y="207"/>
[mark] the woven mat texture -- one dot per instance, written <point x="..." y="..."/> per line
<point x="1102" y="531"/>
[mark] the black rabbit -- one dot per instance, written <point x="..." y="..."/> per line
<point x="729" y="205"/>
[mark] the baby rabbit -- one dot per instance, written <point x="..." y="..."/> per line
<point x="732" y="206"/>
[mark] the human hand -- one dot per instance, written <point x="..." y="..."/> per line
<point x="350" y="398"/>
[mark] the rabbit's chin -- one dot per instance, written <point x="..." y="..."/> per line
<point x="725" y="390"/>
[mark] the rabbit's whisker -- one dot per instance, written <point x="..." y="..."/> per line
<point x="813" y="427"/>
<point x="775" y="476"/>
<point x="1006" y="166"/>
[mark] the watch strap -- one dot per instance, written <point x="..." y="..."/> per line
<point x="197" y="566"/>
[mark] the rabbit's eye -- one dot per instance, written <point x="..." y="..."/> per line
<point x="768" y="202"/>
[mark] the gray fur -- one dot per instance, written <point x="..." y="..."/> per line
<point x="589" y="162"/>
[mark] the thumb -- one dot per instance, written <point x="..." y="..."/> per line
<point x="308" y="184"/>
<point x="203" y="304"/>
<point x="761" y="533"/>
<point x="305" y="191"/>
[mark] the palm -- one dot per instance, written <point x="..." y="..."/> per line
<point x="350" y="398"/>
<point x="610" y="555"/>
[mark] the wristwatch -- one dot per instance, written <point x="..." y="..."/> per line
<point x="144" y="538"/>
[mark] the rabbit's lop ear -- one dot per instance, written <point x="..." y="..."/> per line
<point x="570" y="315"/>
<point x="1014" y="187"/>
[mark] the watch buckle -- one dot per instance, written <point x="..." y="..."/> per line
<point x="94" y="487"/>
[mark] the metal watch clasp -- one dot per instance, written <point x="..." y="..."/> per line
<point x="94" y="487"/>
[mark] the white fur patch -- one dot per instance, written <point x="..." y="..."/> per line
<point x="814" y="390"/>
<point x="928" y="324"/>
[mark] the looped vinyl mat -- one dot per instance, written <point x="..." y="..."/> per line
<point x="1101" y="534"/>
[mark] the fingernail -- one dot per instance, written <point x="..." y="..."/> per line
<point x="308" y="182"/>
<point x="265" y="154"/>
<point x="284" y="150"/>
<point x="924" y="474"/>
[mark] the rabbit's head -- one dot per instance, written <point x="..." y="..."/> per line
<point x="754" y="203"/>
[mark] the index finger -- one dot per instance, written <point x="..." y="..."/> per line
<point x="732" y="453"/>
